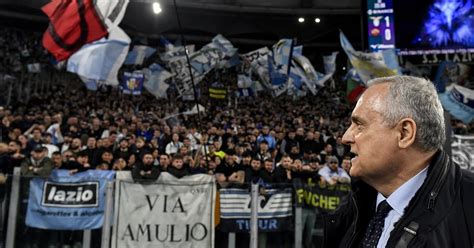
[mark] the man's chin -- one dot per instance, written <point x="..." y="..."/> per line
<point x="354" y="172"/>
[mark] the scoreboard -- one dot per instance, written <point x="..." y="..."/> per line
<point x="381" y="28"/>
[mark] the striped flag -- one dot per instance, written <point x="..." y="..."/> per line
<point x="71" y="26"/>
<point x="138" y="55"/>
<point x="217" y="93"/>
<point x="100" y="61"/>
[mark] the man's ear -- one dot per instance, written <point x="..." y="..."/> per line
<point x="407" y="130"/>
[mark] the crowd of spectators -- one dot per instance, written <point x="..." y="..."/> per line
<point x="75" y="129"/>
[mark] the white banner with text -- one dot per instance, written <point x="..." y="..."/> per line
<point x="170" y="212"/>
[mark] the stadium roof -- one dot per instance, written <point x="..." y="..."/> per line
<point x="246" y="23"/>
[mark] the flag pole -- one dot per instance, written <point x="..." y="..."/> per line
<point x="199" y="122"/>
<point x="293" y="41"/>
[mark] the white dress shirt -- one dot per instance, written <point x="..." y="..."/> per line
<point x="399" y="200"/>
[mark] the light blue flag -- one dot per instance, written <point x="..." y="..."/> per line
<point x="155" y="77"/>
<point x="138" y="55"/>
<point x="442" y="75"/>
<point x="176" y="52"/>
<point x="100" y="61"/>
<point x="281" y="53"/>
<point x="280" y="59"/>
<point x="234" y="60"/>
<point x="278" y="76"/>
<point x="166" y="43"/>
<point x="459" y="102"/>
<point x="450" y="73"/>
<point x="313" y="79"/>
<point x="258" y="61"/>
<point x="391" y="60"/>
<point x="90" y="84"/>
<point x="296" y="79"/>
<point x="68" y="202"/>
<point x="224" y="45"/>
<point x="330" y="63"/>
<point x="298" y="50"/>
<point x="367" y="65"/>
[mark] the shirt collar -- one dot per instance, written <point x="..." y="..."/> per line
<point x="401" y="197"/>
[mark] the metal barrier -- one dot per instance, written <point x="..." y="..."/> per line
<point x="16" y="225"/>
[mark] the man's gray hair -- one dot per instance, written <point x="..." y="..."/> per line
<point x="415" y="98"/>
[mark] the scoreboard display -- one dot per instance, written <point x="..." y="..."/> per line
<point x="381" y="28"/>
<point x="421" y="27"/>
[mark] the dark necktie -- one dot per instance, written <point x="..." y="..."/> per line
<point x="372" y="235"/>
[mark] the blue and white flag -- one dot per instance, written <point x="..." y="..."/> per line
<point x="202" y="62"/>
<point x="442" y="78"/>
<point x="174" y="52"/>
<point x="281" y="53"/>
<point x="166" y="43"/>
<point x="68" y="202"/>
<point x="155" y="77"/>
<point x="206" y="59"/>
<point x="459" y="102"/>
<point x="298" y="50"/>
<point x="280" y="59"/>
<point x="243" y="92"/>
<point x="450" y="73"/>
<point x="133" y="83"/>
<point x="275" y="210"/>
<point x="278" y="76"/>
<point x="367" y="65"/>
<point x="138" y="55"/>
<point x="224" y="45"/>
<point x="330" y="63"/>
<point x="100" y="61"/>
<point x="390" y="58"/>
<point x="258" y="61"/>
<point x="231" y="57"/>
<point x="309" y="76"/>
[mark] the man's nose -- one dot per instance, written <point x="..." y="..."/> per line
<point x="347" y="138"/>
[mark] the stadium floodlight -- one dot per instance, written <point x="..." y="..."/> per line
<point x="156" y="8"/>
<point x="301" y="20"/>
<point x="317" y="20"/>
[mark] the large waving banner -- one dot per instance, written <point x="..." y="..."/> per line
<point x="275" y="210"/>
<point x="201" y="62"/>
<point x="68" y="202"/>
<point x="326" y="198"/>
<point x="369" y="65"/>
<point x="258" y="61"/>
<point x="170" y="212"/>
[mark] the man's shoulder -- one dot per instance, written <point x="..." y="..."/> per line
<point x="467" y="182"/>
